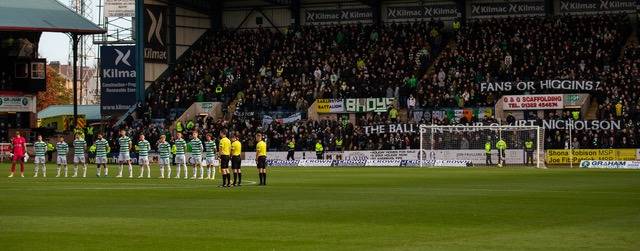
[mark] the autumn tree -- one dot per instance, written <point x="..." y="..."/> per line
<point x="56" y="93"/>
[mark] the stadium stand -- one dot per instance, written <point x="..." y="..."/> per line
<point x="264" y="70"/>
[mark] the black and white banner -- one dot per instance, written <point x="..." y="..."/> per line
<point x="444" y="11"/>
<point x="353" y="105"/>
<point x="559" y="124"/>
<point x="392" y="128"/>
<point x="155" y="34"/>
<point x="506" y="9"/>
<point x="597" y="6"/>
<point x="347" y="15"/>
<point x="118" y="79"/>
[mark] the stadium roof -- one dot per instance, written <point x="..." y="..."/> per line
<point x="90" y="112"/>
<point x="43" y="15"/>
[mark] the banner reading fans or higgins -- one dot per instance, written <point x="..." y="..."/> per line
<point x="551" y="84"/>
<point x="17" y="103"/>
<point x="565" y="156"/>
<point x="347" y="15"/>
<point x="442" y="10"/>
<point x="506" y="8"/>
<point x="596" y="6"/>
<point x="118" y="77"/>
<point x="155" y="34"/>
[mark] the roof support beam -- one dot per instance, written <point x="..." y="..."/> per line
<point x="75" y="39"/>
<point x="377" y="11"/>
<point x="279" y="2"/>
<point x="295" y="12"/>
<point x="139" y="29"/>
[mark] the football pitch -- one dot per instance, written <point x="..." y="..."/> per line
<point x="327" y="209"/>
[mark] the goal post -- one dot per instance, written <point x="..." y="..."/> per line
<point x="461" y="145"/>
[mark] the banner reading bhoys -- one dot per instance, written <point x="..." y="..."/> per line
<point x="564" y="156"/>
<point x="355" y="105"/>
<point x="533" y="102"/>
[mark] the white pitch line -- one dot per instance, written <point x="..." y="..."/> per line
<point x="251" y="182"/>
<point x="49" y="188"/>
<point x="102" y="188"/>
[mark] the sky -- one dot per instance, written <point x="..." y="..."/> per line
<point x="56" y="46"/>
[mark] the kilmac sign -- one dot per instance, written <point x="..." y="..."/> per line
<point x="503" y="9"/>
<point x="155" y="34"/>
<point x="413" y="12"/>
<point x="118" y="78"/>
<point x="596" y="6"/>
<point x="325" y="16"/>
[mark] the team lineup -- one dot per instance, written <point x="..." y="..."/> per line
<point x="203" y="156"/>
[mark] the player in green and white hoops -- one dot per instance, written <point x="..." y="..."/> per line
<point x="181" y="159"/>
<point x="102" y="147"/>
<point x="79" y="149"/>
<point x="196" y="155"/>
<point x="164" y="149"/>
<point x="143" y="148"/>
<point x="62" y="148"/>
<point x="40" y="147"/>
<point x="124" y="157"/>
<point x="210" y="153"/>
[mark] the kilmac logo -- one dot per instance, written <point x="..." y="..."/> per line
<point x="122" y="57"/>
<point x="122" y="67"/>
<point x="155" y="27"/>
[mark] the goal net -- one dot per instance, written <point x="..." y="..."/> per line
<point x="481" y="146"/>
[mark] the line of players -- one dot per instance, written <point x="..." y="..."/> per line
<point x="228" y="151"/>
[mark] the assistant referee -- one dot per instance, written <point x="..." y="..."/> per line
<point x="236" y="150"/>
<point x="225" y="151"/>
<point x="261" y="159"/>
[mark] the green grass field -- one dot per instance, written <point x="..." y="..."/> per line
<point x="328" y="209"/>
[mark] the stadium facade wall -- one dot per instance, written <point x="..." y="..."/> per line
<point x="189" y="26"/>
<point x="272" y="17"/>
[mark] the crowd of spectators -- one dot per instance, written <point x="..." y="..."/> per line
<point x="523" y="49"/>
<point x="217" y="67"/>
<point x="264" y="69"/>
